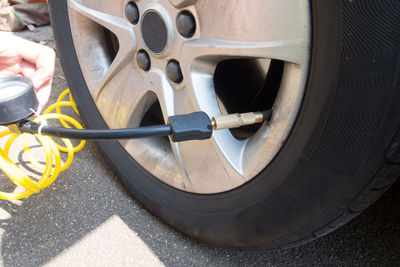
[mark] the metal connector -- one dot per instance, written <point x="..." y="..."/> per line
<point x="14" y="128"/>
<point x="237" y="120"/>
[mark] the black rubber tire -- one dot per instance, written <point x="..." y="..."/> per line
<point x="341" y="155"/>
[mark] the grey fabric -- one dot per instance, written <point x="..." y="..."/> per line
<point x="15" y="15"/>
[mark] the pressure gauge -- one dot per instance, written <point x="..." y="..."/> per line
<point x="18" y="99"/>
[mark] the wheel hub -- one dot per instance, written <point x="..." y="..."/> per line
<point x="154" y="32"/>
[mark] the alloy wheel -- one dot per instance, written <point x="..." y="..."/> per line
<point x="144" y="61"/>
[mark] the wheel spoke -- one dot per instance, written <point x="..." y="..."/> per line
<point x="124" y="99"/>
<point x="216" y="50"/>
<point x="182" y="3"/>
<point x="167" y="98"/>
<point x="121" y="29"/>
<point x="222" y="153"/>
<point x="207" y="167"/>
<point x="219" y="157"/>
<point x="113" y="8"/>
<point x="154" y="86"/>
<point x="123" y="58"/>
<point x="115" y="24"/>
<point x="254" y="21"/>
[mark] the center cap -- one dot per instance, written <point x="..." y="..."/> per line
<point x="154" y="32"/>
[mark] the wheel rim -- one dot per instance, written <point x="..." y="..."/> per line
<point x="194" y="68"/>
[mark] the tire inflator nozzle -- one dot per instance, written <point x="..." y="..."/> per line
<point x="240" y="119"/>
<point x="18" y="102"/>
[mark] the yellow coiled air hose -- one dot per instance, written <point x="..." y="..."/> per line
<point x="53" y="165"/>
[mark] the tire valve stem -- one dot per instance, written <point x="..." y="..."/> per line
<point x="240" y="119"/>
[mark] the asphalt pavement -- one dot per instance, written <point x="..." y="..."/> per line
<point x="86" y="218"/>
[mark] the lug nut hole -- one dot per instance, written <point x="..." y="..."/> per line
<point x="132" y="13"/>
<point x="174" y="72"/>
<point x="143" y="60"/>
<point x="186" y="24"/>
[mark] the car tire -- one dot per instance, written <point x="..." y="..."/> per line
<point x="342" y="153"/>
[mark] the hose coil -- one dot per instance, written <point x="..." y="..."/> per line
<point x="53" y="166"/>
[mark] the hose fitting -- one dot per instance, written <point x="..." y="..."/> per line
<point x="239" y="119"/>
